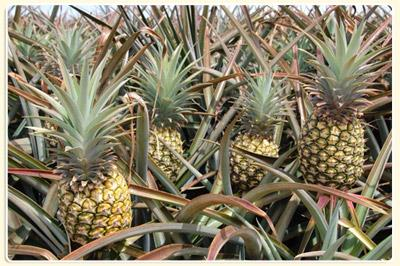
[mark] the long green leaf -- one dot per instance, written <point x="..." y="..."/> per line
<point x="369" y="189"/>
<point x="380" y="250"/>
<point x="47" y="224"/>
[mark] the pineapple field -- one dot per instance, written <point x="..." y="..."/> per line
<point x="197" y="133"/>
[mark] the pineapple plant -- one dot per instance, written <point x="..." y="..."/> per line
<point x="163" y="85"/>
<point x="93" y="195"/>
<point x="263" y="108"/>
<point x="31" y="31"/>
<point x="332" y="143"/>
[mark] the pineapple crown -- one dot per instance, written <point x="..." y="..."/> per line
<point x="264" y="105"/>
<point x="340" y="87"/>
<point x="163" y="85"/>
<point x="74" y="44"/>
<point x="31" y="31"/>
<point x="87" y="122"/>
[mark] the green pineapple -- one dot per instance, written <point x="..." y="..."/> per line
<point x="93" y="195"/>
<point x="263" y="108"/>
<point x="163" y="85"/>
<point x="332" y="143"/>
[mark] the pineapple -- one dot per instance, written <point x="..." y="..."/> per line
<point x="163" y="85"/>
<point x="263" y="107"/>
<point x="93" y="195"/>
<point x="332" y="142"/>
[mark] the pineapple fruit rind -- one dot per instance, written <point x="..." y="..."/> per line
<point x="168" y="163"/>
<point x="97" y="210"/>
<point x="332" y="153"/>
<point x="244" y="168"/>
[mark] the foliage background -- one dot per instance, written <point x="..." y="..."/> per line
<point x="395" y="126"/>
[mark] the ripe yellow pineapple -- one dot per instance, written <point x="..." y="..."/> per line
<point x="332" y="143"/>
<point x="163" y="85"/>
<point x="93" y="196"/>
<point x="263" y="107"/>
<point x="161" y="154"/>
<point x="97" y="210"/>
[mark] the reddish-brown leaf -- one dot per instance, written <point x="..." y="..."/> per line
<point x="31" y="251"/>
<point x="48" y="174"/>
<point x="28" y="96"/>
<point x="250" y="237"/>
<point x="201" y="202"/>
<point x="163" y="252"/>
